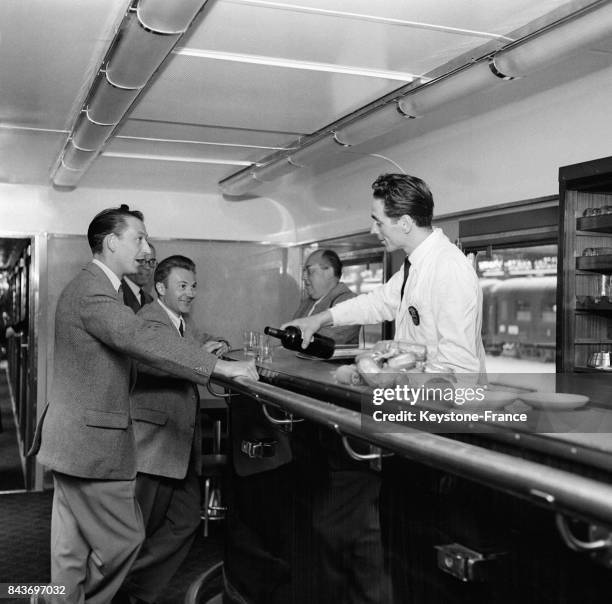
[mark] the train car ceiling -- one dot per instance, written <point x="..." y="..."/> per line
<point x="250" y="82"/>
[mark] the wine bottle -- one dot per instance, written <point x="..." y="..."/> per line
<point x="291" y="338"/>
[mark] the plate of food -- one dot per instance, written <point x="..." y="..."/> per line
<point x="559" y="401"/>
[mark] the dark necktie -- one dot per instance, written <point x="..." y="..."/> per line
<point x="406" y="271"/>
<point x="181" y="329"/>
<point x="142" y="297"/>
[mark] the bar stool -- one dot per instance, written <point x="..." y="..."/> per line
<point x="214" y="464"/>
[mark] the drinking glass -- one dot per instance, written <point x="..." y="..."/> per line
<point x="250" y="341"/>
<point x="264" y="349"/>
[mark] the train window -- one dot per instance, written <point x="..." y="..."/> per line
<point x="519" y="307"/>
<point x="362" y="278"/>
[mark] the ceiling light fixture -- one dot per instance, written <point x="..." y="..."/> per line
<point x="295" y="64"/>
<point x="148" y="32"/>
<point x="177" y="158"/>
<point x="544" y="47"/>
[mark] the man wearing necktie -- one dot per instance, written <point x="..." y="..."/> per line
<point x="435" y="299"/>
<point x="166" y="415"/>
<point x="135" y="286"/>
<point x="85" y="433"/>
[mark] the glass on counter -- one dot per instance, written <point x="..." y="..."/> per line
<point x="250" y="342"/>
<point x="264" y="349"/>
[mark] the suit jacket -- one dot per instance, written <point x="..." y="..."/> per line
<point x="130" y="298"/>
<point x="165" y="410"/>
<point x="86" y="429"/>
<point x="341" y="335"/>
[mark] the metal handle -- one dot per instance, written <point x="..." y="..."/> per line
<point x="576" y="544"/>
<point x="375" y="455"/>
<point x="217" y="394"/>
<point x="288" y="423"/>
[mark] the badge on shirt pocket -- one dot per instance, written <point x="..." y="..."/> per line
<point x="414" y="313"/>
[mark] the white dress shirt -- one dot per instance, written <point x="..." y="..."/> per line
<point x="176" y="319"/>
<point x="444" y="291"/>
<point x="109" y="273"/>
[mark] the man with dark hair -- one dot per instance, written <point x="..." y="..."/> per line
<point x="136" y="285"/>
<point x="166" y="415"/>
<point x="321" y="274"/>
<point x="435" y="299"/>
<point x="85" y="434"/>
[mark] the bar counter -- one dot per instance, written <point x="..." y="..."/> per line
<point x="568" y="439"/>
<point x="478" y="490"/>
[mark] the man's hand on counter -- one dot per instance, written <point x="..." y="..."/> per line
<point x="233" y="369"/>
<point x="218" y="348"/>
<point x="310" y="325"/>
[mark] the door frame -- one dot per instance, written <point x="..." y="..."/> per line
<point x="37" y="348"/>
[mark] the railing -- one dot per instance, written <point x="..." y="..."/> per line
<point x="558" y="490"/>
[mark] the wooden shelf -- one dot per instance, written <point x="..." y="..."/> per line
<point x="584" y="369"/>
<point x="595" y="306"/>
<point x="584" y="326"/>
<point x="595" y="224"/>
<point x="597" y="264"/>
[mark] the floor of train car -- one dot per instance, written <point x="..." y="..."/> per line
<point x="11" y="471"/>
<point x="24" y="546"/>
<point x="25" y="522"/>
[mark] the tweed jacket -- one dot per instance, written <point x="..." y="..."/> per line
<point x="341" y="335"/>
<point x="165" y="410"/>
<point x="86" y="429"/>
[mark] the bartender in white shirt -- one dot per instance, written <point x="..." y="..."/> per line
<point x="435" y="298"/>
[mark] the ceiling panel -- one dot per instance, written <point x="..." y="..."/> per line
<point x="262" y="139"/>
<point x="49" y="51"/>
<point x="26" y="156"/>
<point x="237" y="106"/>
<point x="220" y="93"/>
<point x="496" y="16"/>
<point x="154" y="175"/>
<point x="327" y="39"/>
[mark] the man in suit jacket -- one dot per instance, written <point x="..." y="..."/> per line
<point x="321" y="274"/>
<point x="136" y="285"/>
<point x="166" y="416"/>
<point x="85" y="434"/>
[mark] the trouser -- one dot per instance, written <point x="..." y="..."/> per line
<point x="346" y="520"/>
<point x="96" y="533"/>
<point x="171" y="512"/>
